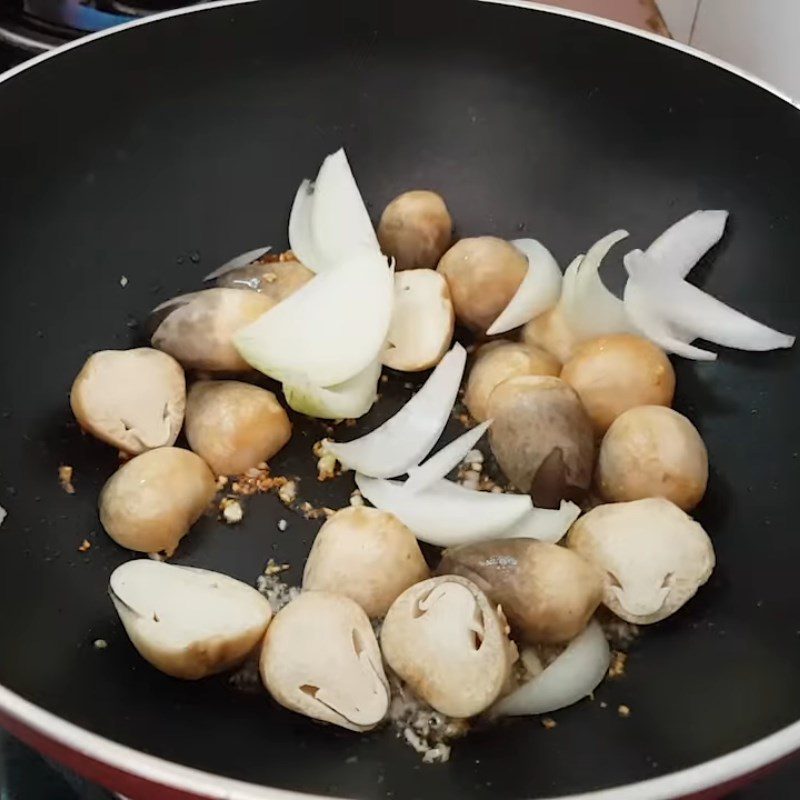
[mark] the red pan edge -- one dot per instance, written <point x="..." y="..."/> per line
<point x="143" y="777"/>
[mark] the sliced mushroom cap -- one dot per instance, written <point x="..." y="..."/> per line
<point x="614" y="373"/>
<point x="654" y="556"/>
<point x="320" y="658"/>
<point x="273" y="276"/>
<point x="542" y="438"/>
<point x="448" y="643"/>
<point x="498" y="361"/>
<point x="483" y="274"/>
<point x="198" y="328"/>
<point x="653" y="451"/>
<point x="547" y="592"/>
<point x="234" y="426"/>
<point x="422" y="321"/>
<point x="187" y="622"/>
<point x="367" y="555"/>
<point x="132" y="399"/>
<point x="416" y="229"/>
<point x="149" y="504"/>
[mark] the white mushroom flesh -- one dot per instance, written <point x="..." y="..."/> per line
<point x="320" y="658"/>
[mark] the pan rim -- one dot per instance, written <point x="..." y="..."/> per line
<point x="716" y="772"/>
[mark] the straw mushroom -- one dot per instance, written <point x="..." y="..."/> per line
<point x="320" y="658"/>
<point x="198" y="329"/>
<point x="367" y="555"/>
<point x="498" y="361"/>
<point x="614" y="373"/>
<point x="133" y="400"/>
<point x="483" y="274"/>
<point x="653" y="555"/>
<point x="149" y="504"/>
<point x="422" y="321"/>
<point x="416" y="228"/>
<point x="447" y="641"/>
<point x="652" y="451"/>
<point x="188" y="622"/>
<point x="547" y="592"/>
<point x="542" y="438"/>
<point x="234" y="426"/>
<point x="276" y="279"/>
<point x="551" y="332"/>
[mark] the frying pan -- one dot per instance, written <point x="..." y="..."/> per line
<point x="159" y="151"/>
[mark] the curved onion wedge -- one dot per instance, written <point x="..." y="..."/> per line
<point x="329" y="221"/>
<point x="188" y="622"/>
<point x="407" y="437"/>
<point x="590" y="309"/>
<point x="349" y="400"/>
<point x="683" y="244"/>
<point x="575" y="674"/>
<point x="235" y="263"/>
<point x="439" y="464"/>
<point x="538" y="292"/>
<point x="545" y="524"/>
<point x="447" y="514"/>
<point x="682" y="305"/>
<point x="327" y="331"/>
<point x="650" y="325"/>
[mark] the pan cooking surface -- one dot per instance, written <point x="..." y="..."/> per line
<point x="157" y="153"/>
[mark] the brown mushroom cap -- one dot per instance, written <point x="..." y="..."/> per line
<point x="198" y="329"/>
<point x="498" y="361"/>
<point x="415" y="228"/>
<point x="547" y="592"/>
<point x="234" y="426"/>
<point x="653" y="451"/>
<point x="367" y="555"/>
<point x="614" y="373"/>
<point x="551" y="333"/>
<point x="483" y="274"/>
<point x="275" y="279"/>
<point x="542" y="438"/>
<point x="132" y="399"/>
<point x="149" y="504"/>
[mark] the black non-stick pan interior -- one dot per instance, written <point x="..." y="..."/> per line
<point x="159" y="152"/>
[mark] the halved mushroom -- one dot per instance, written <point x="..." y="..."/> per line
<point x="653" y="451"/>
<point x="149" y="504"/>
<point x="542" y="438"/>
<point x="547" y="592"/>
<point x="449" y="644"/>
<point x="234" y="426"/>
<point x="483" y="274"/>
<point x="367" y="555"/>
<point x="653" y="555"/>
<point x="275" y="276"/>
<point x="132" y="399"/>
<point x="416" y="228"/>
<point x="198" y="329"/>
<point x="498" y="361"/>
<point x="422" y="321"/>
<point x="188" y="622"/>
<point x="320" y="658"/>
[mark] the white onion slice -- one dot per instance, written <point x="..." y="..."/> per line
<point x="235" y="263"/>
<point x="3" y="515"/>
<point x="349" y="400"/>
<point x="407" y="437"/>
<point x="545" y="524"/>
<point x="329" y="221"/>
<point x="679" y="303"/>
<point x="538" y="292"/>
<point x="329" y="330"/>
<point x="683" y="244"/>
<point x="575" y="674"/>
<point x="649" y="324"/>
<point x="447" y="514"/>
<point x="439" y="464"/>
<point x="590" y="309"/>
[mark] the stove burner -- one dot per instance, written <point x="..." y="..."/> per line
<point x="38" y="25"/>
